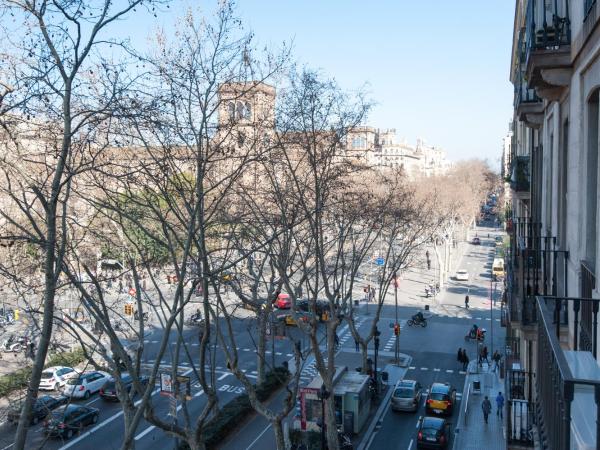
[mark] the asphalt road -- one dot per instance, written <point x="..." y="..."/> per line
<point x="434" y="348"/>
<point x="108" y="433"/>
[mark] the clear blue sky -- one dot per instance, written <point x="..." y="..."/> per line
<point x="436" y="69"/>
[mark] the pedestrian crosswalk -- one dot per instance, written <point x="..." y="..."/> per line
<point x="438" y="369"/>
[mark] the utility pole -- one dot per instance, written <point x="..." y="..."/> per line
<point x="396" y="324"/>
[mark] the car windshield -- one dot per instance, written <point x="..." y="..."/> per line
<point x="47" y="374"/>
<point x="75" y="381"/>
<point x="403" y="392"/>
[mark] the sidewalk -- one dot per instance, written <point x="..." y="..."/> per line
<point x="472" y="433"/>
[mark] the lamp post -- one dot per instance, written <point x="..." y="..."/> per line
<point x="492" y="292"/>
<point x="396" y="325"/>
<point x="323" y="395"/>
<point x="377" y="333"/>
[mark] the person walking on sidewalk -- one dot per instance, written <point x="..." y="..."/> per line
<point x="356" y="345"/>
<point x="467" y="301"/>
<point x="484" y="355"/>
<point x="500" y="404"/>
<point x="459" y="355"/>
<point x="486" y="407"/>
<point x="465" y="359"/>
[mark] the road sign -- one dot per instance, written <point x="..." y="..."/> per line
<point x="166" y="384"/>
<point x="380" y="261"/>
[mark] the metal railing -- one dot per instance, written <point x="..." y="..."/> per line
<point x="520" y="421"/>
<point x="548" y="25"/>
<point x="521" y="174"/>
<point x="555" y="385"/>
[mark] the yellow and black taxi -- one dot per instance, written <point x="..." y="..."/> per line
<point x="441" y="399"/>
<point x="433" y="432"/>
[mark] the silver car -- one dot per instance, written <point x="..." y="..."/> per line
<point x="407" y="395"/>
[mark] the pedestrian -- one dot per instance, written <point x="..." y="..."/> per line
<point x="465" y="359"/>
<point x="495" y="360"/>
<point x="356" y="345"/>
<point x="500" y="405"/>
<point x="484" y="355"/>
<point x="459" y="356"/>
<point x="336" y="340"/>
<point x="467" y="301"/>
<point x="486" y="406"/>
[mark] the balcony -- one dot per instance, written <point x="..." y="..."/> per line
<point x="568" y="384"/>
<point x="528" y="105"/>
<point x="548" y="47"/>
<point x="520" y="176"/>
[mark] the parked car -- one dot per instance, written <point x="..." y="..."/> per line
<point x="70" y="419"/>
<point x="283" y="301"/>
<point x="461" y="275"/>
<point x="109" y="390"/>
<point x="441" y="399"/>
<point x="476" y="241"/>
<point x="53" y="378"/>
<point x="433" y="432"/>
<point x="41" y="408"/>
<point x="406" y="396"/>
<point x="85" y="384"/>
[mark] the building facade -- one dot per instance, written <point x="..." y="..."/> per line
<point x="553" y="375"/>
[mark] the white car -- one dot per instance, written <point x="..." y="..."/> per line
<point x="85" y="384"/>
<point x="53" y="378"/>
<point x="462" y="275"/>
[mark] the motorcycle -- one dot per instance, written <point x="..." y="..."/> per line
<point x="14" y="345"/>
<point x="195" y="320"/>
<point x="416" y="321"/>
<point x="427" y="292"/>
<point x="345" y="443"/>
<point x="471" y="336"/>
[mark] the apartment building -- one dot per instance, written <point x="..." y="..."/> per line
<point x="551" y="314"/>
<point x="381" y="149"/>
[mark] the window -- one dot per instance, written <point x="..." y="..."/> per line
<point x="231" y="108"/>
<point x="591" y="180"/>
<point x="247" y="111"/>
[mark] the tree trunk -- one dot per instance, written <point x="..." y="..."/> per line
<point x="278" y="430"/>
<point x="331" y="426"/>
<point x="364" y="349"/>
<point x="262" y="344"/>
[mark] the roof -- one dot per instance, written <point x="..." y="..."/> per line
<point x="351" y="382"/>
<point x="317" y="382"/>
<point x="440" y="387"/>
<point x="433" y="422"/>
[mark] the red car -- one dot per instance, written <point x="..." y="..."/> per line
<point x="283" y="301"/>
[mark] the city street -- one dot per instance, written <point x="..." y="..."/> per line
<point x="434" y="348"/>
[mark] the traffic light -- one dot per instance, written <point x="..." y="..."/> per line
<point x="396" y="330"/>
<point x="128" y="309"/>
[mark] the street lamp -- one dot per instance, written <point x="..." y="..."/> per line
<point x="323" y="395"/>
<point x="396" y="325"/>
<point x="377" y="333"/>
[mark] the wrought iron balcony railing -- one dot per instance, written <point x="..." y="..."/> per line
<point x="547" y="24"/>
<point x="521" y="174"/>
<point x="568" y="381"/>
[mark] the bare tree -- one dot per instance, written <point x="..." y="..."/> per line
<point x="51" y="108"/>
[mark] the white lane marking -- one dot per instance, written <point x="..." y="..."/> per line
<point x="424" y="368"/>
<point x="198" y="394"/>
<point x="462" y="372"/>
<point x="418" y="422"/>
<point x="412" y="368"/>
<point x="410" y="444"/>
<point x="436" y="370"/>
<point x="258" y="437"/>
<point x="449" y="371"/>
<point x="93" y="401"/>
<point x="222" y="377"/>
<point x="106" y="421"/>
<point x="278" y="353"/>
<point x="145" y="432"/>
<point x="8" y="446"/>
